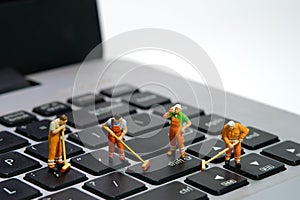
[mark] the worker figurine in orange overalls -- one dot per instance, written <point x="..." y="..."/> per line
<point x="179" y="122"/>
<point x="231" y="133"/>
<point x="116" y="126"/>
<point x="55" y="146"/>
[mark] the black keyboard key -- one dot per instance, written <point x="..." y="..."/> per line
<point x="211" y="124"/>
<point x="51" y="109"/>
<point x="37" y="131"/>
<point x="92" y="138"/>
<point x="44" y="179"/>
<point x="119" y="90"/>
<point x="97" y="163"/>
<point x="9" y="142"/>
<point x="157" y="142"/>
<point x="69" y="194"/>
<point x="257" y="138"/>
<point x="165" y="168"/>
<point x="143" y="122"/>
<point x="94" y="115"/>
<point x="86" y="99"/>
<point x="81" y="119"/>
<point x="208" y="149"/>
<point x="17" y="118"/>
<point x="216" y="181"/>
<point x="14" y="163"/>
<point x="40" y="150"/>
<point x="114" y="186"/>
<point x="287" y="152"/>
<point x="145" y="100"/>
<point x="190" y="111"/>
<point x="256" y="167"/>
<point x="14" y="189"/>
<point x="174" y="191"/>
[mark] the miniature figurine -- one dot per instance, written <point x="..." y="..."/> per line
<point x="179" y="122"/>
<point x="116" y="127"/>
<point x="233" y="135"/>
<point x="57" y="126"/>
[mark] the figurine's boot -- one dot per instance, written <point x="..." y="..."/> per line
<point x="238" y="162"/>
<point x="226" y="162"/>
<point x="238" y="165"/>
<point x="59" y="162"/>
<point x="182" y="153"/>
<point x="171" y="151"/>
<point x="54" y="171"/>
<point x="122" y="157"/>
<point x="110" y="157"/>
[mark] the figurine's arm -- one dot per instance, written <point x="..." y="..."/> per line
<point x="124" y="132"/>
<point x="225" y="138"/>
<point x="105" y="127"/>
<point x="57" y="130"/>
<point x="244" y="131"/>
<point x="168" y="114"/>
<point x="188" y="124"/>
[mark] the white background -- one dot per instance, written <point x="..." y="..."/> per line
<point x="254" y="44"/>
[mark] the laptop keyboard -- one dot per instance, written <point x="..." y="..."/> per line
<point x="101" y="177"/>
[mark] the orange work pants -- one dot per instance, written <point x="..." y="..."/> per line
<point x="237" y="152"/>
<point x="175" y="135"/>
<point x="54" y="150"/>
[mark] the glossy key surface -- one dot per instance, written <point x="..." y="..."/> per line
<point x="114" y="186"/>
<point x="216" y="181"/>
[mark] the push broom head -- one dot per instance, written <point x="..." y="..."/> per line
<point x="203" y="167"/>
<point x="66" y="168"/>
<point x="146" y="165"/>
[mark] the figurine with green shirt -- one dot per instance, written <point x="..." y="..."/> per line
<point x="179" y="122"/>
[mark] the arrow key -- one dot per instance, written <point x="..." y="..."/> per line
<point x="287" y="152"/>
<point x="208" y="149"/>
<point x="216" y="181"/>
<point x="256" y="167"/>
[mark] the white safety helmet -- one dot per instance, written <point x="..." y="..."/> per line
<point x="177" y="106"/>
<point x="231" y="123"/>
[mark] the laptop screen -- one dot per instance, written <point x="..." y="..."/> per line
<point x="37" y="35"/>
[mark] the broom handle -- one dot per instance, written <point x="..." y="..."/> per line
<point x="220" y="153"/>
<point x="136" y="155"/>
<point x="64" y="146"/>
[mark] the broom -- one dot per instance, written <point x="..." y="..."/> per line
<point x="66" y="166"/>
<point x="203" y="162"/>
<point x="146" y="163"/>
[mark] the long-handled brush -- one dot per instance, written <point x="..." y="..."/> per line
<point x="67" y="165"/>
<point x="146" y="163"/>
<point x="203" y="162"/>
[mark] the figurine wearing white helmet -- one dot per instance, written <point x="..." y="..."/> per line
<point x="234" y="133"/>
<point x="179" y="122"/>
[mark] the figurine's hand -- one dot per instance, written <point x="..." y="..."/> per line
<point x="241" y="140"/>
<point x="63" y="127"/>
<point x="182" y="130"/>
<point x="230" y="146"/>
<point x="120" y="138"/>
